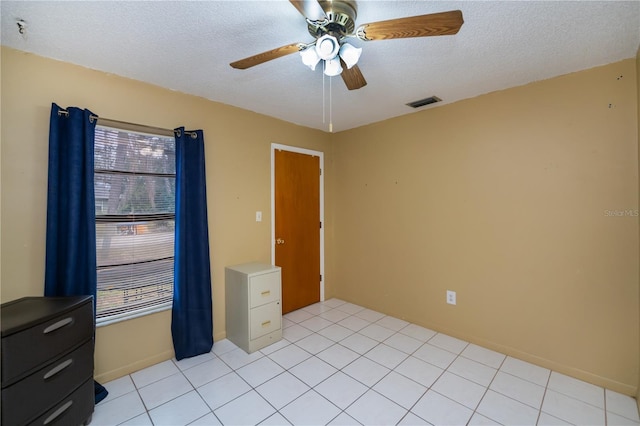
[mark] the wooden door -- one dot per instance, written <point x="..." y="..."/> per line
<point x="297" y="227"/>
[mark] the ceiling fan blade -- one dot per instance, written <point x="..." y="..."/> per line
<point x="310" y="9"/>
<point x="434" y="24"/>
<point x="352" y="77"/>
<point x="265" y="56"/>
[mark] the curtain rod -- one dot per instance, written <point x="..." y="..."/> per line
<point x="131" y="126"/>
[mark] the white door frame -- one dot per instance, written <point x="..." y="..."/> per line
<point x="274" y="147"/>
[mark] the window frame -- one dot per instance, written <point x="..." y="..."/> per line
<point x="105" y="218"/>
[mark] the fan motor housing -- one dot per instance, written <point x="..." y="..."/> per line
<point x="341" y="16"/>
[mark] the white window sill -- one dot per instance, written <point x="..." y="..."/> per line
<point x="100" y="322"/>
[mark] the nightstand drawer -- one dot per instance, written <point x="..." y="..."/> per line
<point x="265" y="319"/>
<point x="45" y="387"/>
<point x="264" y="289"/>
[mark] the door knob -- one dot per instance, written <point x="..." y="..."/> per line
<point x="279" y="241"/>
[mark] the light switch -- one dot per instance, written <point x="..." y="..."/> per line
<point x="258" y="216"/>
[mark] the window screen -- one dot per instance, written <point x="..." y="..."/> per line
<point x="135" y="183"/>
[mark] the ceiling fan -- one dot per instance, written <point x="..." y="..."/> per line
<point x="332" y="23"/>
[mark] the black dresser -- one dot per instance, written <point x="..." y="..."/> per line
<point x="47" y="361"/>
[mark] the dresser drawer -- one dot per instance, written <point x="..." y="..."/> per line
<point x="28" y="349"/>
<point x="264" y="289"/>
<point x="74" y="409"/>
<point x="47" y="385"/>
<point x="265" y="319"/>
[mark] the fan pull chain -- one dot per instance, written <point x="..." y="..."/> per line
<point x="330" y="106"/>
<point x="324" y="67"/>
<point x="323" y="90"/>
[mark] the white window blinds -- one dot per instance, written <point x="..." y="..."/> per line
<point x="135" y="222"/>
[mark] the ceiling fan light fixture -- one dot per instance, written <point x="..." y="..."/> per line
<point x="332" y="67"/>
<point x="350" y="54"/>
<point x="327" y="47"/>
<point x="310" y="57"/>
<point x="332" y="22"/>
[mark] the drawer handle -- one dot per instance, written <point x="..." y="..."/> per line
<point x="266" y="323"/>
<point x="55" y="326"/>
<point x="58" y="368"/>
<point x="266" y="293"/>
<point x="58" y="412"/>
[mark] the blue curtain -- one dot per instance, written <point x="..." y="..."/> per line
<point x="70" y="265"/>
<point x="70" y="268"/>
<point x="192" y="316"/>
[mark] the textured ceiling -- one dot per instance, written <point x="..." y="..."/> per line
<point x="187" y="46"/>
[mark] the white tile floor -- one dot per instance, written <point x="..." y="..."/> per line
<point x="341" y="364"/>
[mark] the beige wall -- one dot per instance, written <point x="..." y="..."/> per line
<point x="238" y="184"/>
<point x="502" y="198"/>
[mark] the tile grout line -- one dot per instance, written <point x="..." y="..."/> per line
<point x="338" y="343"/>
<point x="606" y="417"/>
<point x="544" y="396"/>
<point x="475" y="410"/>
<point x="369" y="388"/>
<point x="430" y="388"/>
<point x="334" y="343"/>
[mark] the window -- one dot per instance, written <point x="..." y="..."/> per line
<point x="135" y="183"/>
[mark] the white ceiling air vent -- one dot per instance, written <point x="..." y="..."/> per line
<point x="423" y="102"/>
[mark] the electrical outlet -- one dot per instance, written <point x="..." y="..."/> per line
<point x="451" y="297"/>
